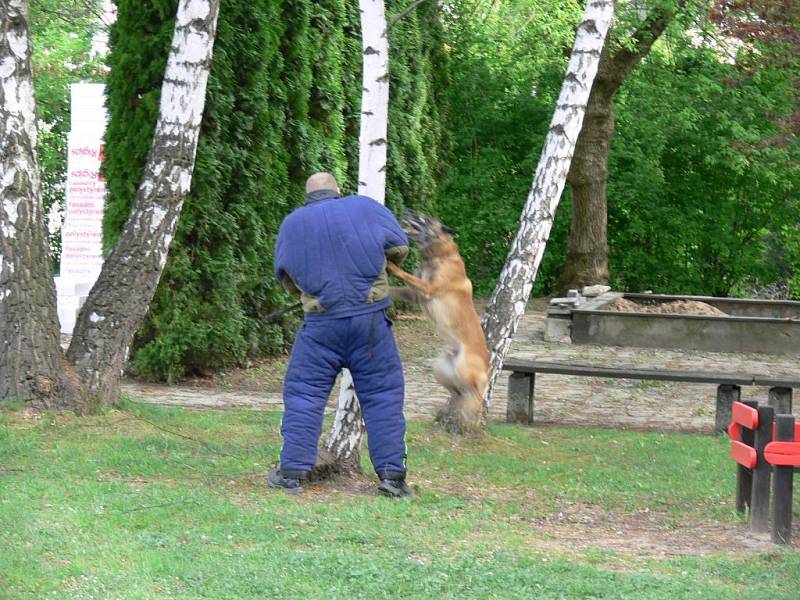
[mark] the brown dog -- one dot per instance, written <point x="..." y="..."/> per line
<point x="445" y="292"/>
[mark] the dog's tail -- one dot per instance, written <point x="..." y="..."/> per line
<point x="472" y="404"/>
<point x="465" y="412"/>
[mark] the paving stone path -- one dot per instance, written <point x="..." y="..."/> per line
<point x="567" y="400"/>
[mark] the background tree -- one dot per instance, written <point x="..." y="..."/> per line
<point x="631" y="39"/>
<point x="284" y="100"/>
<point x="341" y="450"/>
<point x="218" y="279"/>
<point x="771" y="43"/>
<point x="508" y="301"/>
<point x="29" y="350"/>
<point x="700" y="194"/>
<point x="30" y="369"/>
<point x="505" y="69"/>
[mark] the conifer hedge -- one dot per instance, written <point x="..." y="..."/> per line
<point x="283" y="101"/>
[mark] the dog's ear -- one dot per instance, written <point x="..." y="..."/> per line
<point x="416" y="225"/>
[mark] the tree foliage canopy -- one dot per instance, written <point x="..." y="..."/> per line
<point x="283" y="102"/>
<point x="704" y="176"/>
<point x="700" y="201"/>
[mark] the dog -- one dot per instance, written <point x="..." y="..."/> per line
<point x="445" y="293"/>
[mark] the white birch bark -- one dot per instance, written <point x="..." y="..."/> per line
<point x="119" y="299"/>
<point x="373" y="138"/>
<point x="511" y="294"/>
<point x="29" y="344"/>
<point x="344" y="439"/>
<point x="343" y="442"/>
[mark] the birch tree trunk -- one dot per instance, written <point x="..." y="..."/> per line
<point x="341" y="450"/>
<point x="119" y="299"/>
<point x="372" y="141"/>
<point x="29" y="338"/>
<point x="508" y="301"/>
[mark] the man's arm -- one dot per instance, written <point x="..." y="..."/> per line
<point x="395" y="244"/>
<point x="281" y="262"/>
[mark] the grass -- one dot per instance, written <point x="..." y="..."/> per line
<point x="153" y="502"/>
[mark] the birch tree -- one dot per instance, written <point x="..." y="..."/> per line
<point x="29" y="338"/>
<point x="341" y="450"/>
<point x="372" y="141"/>
<point x="507" y="304"/>
<point x="90" y="372"/>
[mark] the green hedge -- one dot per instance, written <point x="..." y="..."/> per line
<point x="283" y="101"/>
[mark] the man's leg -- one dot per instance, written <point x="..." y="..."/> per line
<point x="378" y="377"/>
<point x="315" y="361"/>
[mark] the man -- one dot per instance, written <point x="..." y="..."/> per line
<point x="333" y="251"/>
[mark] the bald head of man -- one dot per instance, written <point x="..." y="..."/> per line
<point x="319" y="182"/>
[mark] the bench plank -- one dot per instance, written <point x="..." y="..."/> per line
<point x="518" y="365"/>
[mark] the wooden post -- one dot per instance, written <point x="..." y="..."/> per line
<point x="782" y="486"/>
<point x="520" y="398"/>
<point x="759" y="500"/>
<point x="726" y="396"/>
<point x="744" y="476"/>
<point x="781" y="400"/>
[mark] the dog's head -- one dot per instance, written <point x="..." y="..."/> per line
<point x="433" y="237"/>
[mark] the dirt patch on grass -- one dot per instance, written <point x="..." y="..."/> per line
<point x="644" y="534"/>
<point x="586" y="529"/>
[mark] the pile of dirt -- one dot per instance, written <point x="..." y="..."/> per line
<point x="679" y="307"/>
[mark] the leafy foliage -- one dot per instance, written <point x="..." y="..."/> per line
<point x="695" y="193"/>
<point x="62" y="33"/>
<point x="283" y="102"/>
<point x="700" y="199"/>
<point x="506" y="67"/>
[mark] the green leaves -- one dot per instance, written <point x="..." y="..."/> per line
<point x="283" y="101"/>
<point x="700" y="194"/>
<point x="62" y="33"/>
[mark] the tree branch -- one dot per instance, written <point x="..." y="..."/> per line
<point x="406" y="11"/>
<point x="612" y="72"/>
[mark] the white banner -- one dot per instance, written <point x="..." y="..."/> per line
<point x="82" y="232"/>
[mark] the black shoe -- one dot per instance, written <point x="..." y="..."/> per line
<point x="394" y="485"/>
<point x="278" y="479"/>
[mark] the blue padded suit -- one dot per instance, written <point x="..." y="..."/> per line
<point x="334" y="251"/>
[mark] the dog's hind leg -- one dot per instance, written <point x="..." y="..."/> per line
<point x="445" y="370"/>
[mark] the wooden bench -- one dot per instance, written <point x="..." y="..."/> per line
<point x="765" y="446"/>
<point x="521" y="385"/>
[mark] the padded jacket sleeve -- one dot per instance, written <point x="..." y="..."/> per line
<point x="281" y="256"/>
<point x="395" y="244"/>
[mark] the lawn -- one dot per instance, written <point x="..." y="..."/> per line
<point x="152" y="502"/>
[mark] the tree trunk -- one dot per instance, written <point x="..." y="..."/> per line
<point x="29" y="331"/>
<point x="119" y="299"/>
<point x="341" y="452"/>
<point x="587" y="250"/>
<point x="342" y="448"/>
<point x="372" y="141"/>
<point x="508" y="301"/>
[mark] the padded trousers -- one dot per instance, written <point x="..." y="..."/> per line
<point x="364" y="344"/>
